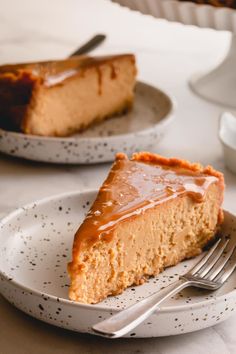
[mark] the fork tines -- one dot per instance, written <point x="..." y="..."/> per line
<point x="216" y="265"/>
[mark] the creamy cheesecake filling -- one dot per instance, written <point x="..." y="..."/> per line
<point x="137" y="187"/>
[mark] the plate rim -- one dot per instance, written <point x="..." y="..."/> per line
<point x="96" y="307"/>
<point x="72" y="139"/>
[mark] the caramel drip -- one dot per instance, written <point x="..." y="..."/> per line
<point x="133" y="187"/>
<point x="99" y="72"/>
<point x="113" y="72"/>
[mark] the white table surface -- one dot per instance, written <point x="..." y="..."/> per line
<point x="167" y="54"/>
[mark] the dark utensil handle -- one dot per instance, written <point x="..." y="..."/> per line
<point x="90" y="45"/>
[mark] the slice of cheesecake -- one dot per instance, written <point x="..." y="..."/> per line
<point x="59" y="98"/>
<point x="150" y="213"/>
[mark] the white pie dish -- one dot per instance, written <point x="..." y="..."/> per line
<point x="186" y="12"/>
<point x="35" y="247"/>
<point x="140" y="129"/>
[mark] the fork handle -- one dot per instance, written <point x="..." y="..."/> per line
<point x="124" y="321"/>
<point x="90" y="45"/>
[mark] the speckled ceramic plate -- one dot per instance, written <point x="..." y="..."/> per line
<point x="140" y="129"/>
<point x="35" y="247"/>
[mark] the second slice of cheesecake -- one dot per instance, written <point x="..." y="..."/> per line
<point x="59" y="98"/>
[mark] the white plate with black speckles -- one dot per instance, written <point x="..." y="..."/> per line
<point x="140" y="129"/>
<point x="35" y="247"/>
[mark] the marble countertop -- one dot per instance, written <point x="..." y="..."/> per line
<point x="168" y="54"/>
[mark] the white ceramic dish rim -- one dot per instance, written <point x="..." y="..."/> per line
<point x="165" y="120"/>
<point x="221" y="136"/>
<point x="226" y="144"/>
<point x="96" y="307"/>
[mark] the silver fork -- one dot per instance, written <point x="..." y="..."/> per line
<point x="210" y="273"/>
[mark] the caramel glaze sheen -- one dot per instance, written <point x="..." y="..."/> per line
<point x="134" y="186"/>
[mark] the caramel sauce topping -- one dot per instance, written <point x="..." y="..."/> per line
<point x="55" y="72"/>
<point x="131" y="188"/>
